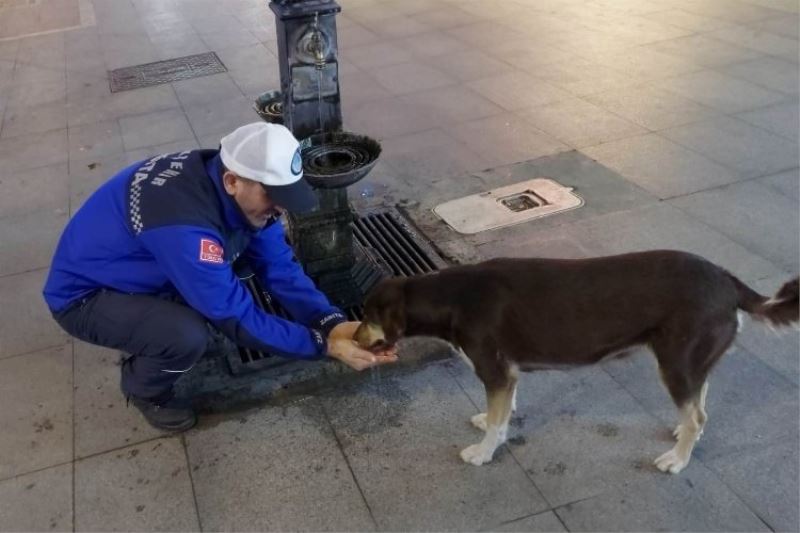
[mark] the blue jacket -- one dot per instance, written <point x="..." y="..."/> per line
<point x="167" y="226"/>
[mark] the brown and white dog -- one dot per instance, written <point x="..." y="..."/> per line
<point x="507" y="315"/>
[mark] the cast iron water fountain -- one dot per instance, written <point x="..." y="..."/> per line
<point x="346" y="253"/>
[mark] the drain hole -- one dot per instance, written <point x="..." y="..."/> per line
<point x="334" y="162"/>
<point x="523" y="201"/>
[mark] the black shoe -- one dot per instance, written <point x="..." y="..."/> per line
<point x="168" y="414"/>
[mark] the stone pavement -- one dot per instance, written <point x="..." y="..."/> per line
<point x="676" y="121"/>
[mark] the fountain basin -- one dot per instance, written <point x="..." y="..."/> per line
<point x="337" y="159"/>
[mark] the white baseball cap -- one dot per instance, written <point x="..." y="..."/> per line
<point x="269" y="154"/>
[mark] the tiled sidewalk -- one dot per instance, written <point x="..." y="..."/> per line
<point x="676" y="121"/>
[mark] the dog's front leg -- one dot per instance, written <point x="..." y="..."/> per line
<point x="499" y="403"/>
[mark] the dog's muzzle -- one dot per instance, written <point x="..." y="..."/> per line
<point x="371" y="337"/>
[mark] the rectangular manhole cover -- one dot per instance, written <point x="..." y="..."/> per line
<point x="180" y="68"/>
<point x="506" y="206"/>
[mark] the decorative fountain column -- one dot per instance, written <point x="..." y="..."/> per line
<point x="309" y="105"/>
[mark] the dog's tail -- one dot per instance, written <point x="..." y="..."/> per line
<point x="782" y="309"/>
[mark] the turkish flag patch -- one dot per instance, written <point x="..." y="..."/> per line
<point x="210" y="251"/>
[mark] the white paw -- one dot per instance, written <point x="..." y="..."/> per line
<point x="479" y="421"/>
<point x="476" y="454"/>
<point x="671" y="462"/>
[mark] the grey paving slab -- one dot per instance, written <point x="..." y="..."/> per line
<point x="766" y="480"/>
<point x="749" y="404"/>
<point x="694" y="500"/>
<point x="783" y="119"/>
<point x="507" y="138"/>
<point x="123" y="104"/>
<point x="447" y="17"/>
<point x="430" y="155"/>
<point x="155" y="128"/>
<point x="40" y="501"/>
<point x="26" y="324"/>
<point x="484" y="33"/>
<point x="30" y="75"/>
<point x="660" y="166"/>
<point x="221" y="116"/>
<point x="96" y="140"/>
<point x="34" y="150"/>
<point x="546" y="521"/>
<point x="145" y="152"/>
<point x="145" y="487"/>
<point x="603" y="190"/>
<point x="250" y="57"/>
<point x="787" y="183"/>
<point x="739" y="212"/>
<point x="471" y="65"/>
<point x="433" y="43"/>
<point x="784" y="25"/>
<point x="651" y="107"/>
<point x="779" y="349"/>
<point x="409" y="77"/>
<point x="518" y="90"/>
<point x="706" y="51"/>
<point x="770" y="72"/>
<point x="378" y="55"/>
<point x="86" y="175"/>
<point x="556" y="247"/>
<point x="355" y="35"/>
<point x="578" y="434"/>
<point x="29" y="239"/>
<point x="206" y="89"/>
<point x="721" y="92"/>
<point x="171" y="45"/>
<point x="297" y="480"/>
<point x="31" y="94"/>
<point x="82" y="87"/>
<point x="740" y="12"/>
<point x="36" y="392"/>
<point x="582" y="77"/>
<point x="358" y="87"/>
<point x="42" y="50"/>
<point x="529" y="54"/>
<point x="749" y="150"/>
<point x="103" y="421"/>
<point x="389" y="117"/>
<point x="401" y="473"/>
<point x="687" y="20"/>
<point x="39" y="119"/>
<point x="752" y="38"/>
<point x="644" y="63"/>
<point x="457" y="104"/>
<point x="36" y="190"/>
<point x="579" y="123"/>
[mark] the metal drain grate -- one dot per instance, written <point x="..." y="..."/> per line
<point x="382" y="234"/>
<point x="181" y="68"/>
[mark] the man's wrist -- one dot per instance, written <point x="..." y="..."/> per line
<point x="327" y="322"/>
<point x="320" y="341"/>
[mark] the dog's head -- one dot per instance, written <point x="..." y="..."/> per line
<point x="384" y="316"/>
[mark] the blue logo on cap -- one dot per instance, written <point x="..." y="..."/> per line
<point x="297" y="163"/>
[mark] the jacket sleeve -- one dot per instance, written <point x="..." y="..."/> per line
<point x="274" y="263"/>
<point x="192" y="259"/>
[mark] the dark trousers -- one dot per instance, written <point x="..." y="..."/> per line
<point x="165" y="338"/>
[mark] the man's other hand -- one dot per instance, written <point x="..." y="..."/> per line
<point x="341" y="346"/>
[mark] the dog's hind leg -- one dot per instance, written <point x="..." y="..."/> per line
<point x="684" y="367"/>
<point x="701" y="407"/>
